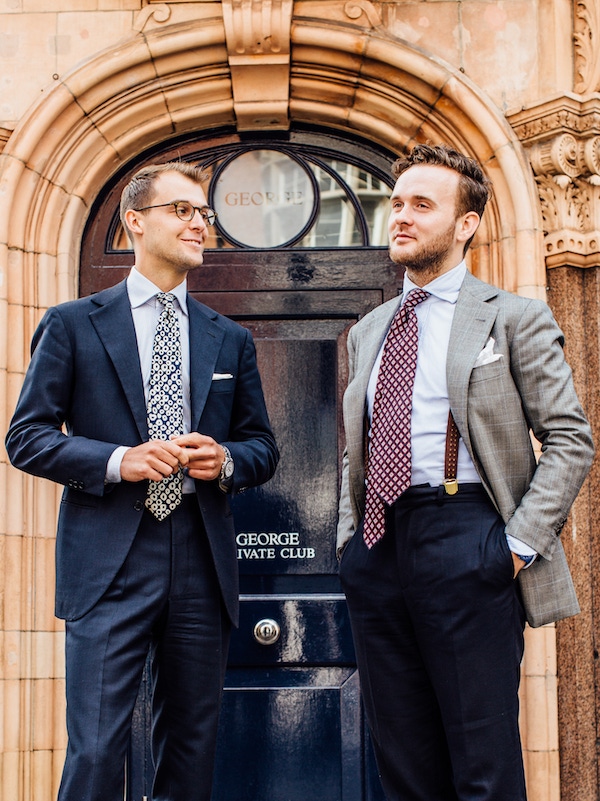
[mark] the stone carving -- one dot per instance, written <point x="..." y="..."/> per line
<point x="257" y="26"/>
<point x="258" y="36"/>
<point x="356" y="8"/>
<point x="160" y="13"/>
<point x="586" y="40"/>
<point x="562" y="139"/>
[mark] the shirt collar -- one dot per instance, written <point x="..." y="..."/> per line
<point x="141" y="290"/>
<point x="445" y="287"/>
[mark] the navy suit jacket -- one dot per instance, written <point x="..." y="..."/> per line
<point x="83" y="396"/>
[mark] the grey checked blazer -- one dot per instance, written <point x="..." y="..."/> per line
<point x="496" y="407"/>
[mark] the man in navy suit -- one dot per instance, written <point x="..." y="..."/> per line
<point x="128" y="582"/>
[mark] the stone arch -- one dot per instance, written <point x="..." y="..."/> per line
<point x="174" y="79"/>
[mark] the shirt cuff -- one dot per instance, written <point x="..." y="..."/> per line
<point x="521" y="549"/>
<point x="113" y="466"/>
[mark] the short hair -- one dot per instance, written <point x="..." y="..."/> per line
<point x="474" y="189"/>
<point x="139" y="190"/>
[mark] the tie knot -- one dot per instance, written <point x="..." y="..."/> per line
<point x="167" y="299"/>
<point x="414" y="297"/>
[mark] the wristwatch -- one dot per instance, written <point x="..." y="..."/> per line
<point x="226" y="474"/>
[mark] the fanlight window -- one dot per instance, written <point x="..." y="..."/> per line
<point x="277" y="196"/>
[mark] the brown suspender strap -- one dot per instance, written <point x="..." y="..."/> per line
<point x="451" y="457"/>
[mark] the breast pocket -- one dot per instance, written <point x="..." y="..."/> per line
<point x="223" y="384"/>
<point x="487" y="372"/>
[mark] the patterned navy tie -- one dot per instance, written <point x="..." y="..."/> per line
<point x="165" y="403"/>
<point x="389" y="465"/>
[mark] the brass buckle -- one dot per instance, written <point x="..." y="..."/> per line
<point x="450" y="486"/>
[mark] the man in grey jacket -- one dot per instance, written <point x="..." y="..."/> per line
<point x="452" y="505"/>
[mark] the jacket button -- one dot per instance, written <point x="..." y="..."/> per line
<point x="138" y="506"/>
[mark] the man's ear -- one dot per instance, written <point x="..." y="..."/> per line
<point x="467" y="225"/>
<point x="133" y="221"/>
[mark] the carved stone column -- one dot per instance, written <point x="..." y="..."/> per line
<point x="562" y="139"/>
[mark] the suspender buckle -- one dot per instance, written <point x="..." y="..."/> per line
<point x="450" y="486"/>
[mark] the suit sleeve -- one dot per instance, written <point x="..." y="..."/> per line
<point x="557" y="420"/>
<point x="346" y="525"/>
<point x="38" y="439"/>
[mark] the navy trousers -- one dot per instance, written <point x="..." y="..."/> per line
<point x="438" y="622"/>
<point x="165" y="600"/>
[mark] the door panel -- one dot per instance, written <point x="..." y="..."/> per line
<point x="323" y="704"/>
<point x="291" y="718"/>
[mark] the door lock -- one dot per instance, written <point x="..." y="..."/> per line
<point x="267" y="631"/>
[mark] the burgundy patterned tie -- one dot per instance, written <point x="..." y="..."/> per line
<point x="389" y="467"/>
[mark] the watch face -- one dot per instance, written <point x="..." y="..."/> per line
<point x="228" y="468"/>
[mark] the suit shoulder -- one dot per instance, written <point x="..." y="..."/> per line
<point x="86" y="304"/>
<point x="508" y="301"/>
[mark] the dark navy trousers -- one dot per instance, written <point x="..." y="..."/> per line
<point x="438" y="622"/>
<point x="165" y="600"/>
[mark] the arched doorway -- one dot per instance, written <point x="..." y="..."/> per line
<point x="298" y="255"/>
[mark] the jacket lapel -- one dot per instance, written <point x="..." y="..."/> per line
<point x="206" y="339"/>
<point x="370" y="343"/>
<point x="114" y="325"/>
<point x="473" y="321"/>
<point x="355" y="398"/>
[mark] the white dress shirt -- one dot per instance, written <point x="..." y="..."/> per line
<point x="430" y="407"/>
<point x="145" y="310"/>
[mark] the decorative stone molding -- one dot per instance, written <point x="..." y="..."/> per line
<point x="258" y="36"/>
<point x="562" y="140"/>
<point x="586" y="42"/>
<point x="159" y="13"/>
<point x="356" y="8"/>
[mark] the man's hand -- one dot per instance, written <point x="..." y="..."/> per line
<point x="154" y="460"/>
<point x="205" y="456"/>
<point x="518" y="564"/>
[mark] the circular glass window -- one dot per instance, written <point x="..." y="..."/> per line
<point x="264" y="198"/>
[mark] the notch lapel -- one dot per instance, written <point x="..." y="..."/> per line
<point x="114" y="325"/>
<point x="206" y="339"/>
<point x="472" y="324"/>
<point x="367" y="347"/>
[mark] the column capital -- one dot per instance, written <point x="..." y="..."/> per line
<point x="562" y="140"/>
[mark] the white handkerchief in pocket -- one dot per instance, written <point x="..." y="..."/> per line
<point x="487" y="355"/>
<point x="221" y="376"/>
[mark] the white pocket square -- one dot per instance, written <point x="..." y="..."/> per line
<point x="487" y="355"/>
<point x="221" y="376"/>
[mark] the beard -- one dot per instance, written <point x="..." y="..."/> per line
<point x="429" y="257"/>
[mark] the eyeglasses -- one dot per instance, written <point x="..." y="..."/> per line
<point x="185" y="211"/>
